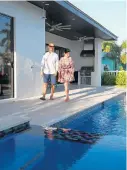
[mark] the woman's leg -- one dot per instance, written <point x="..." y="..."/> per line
<point x="66" y="86"/>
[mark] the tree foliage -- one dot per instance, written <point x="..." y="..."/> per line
<point x="118" y="53"/>
<point x="123" y="58"/>
<point x="121" y="78"/>
<point x="124" y="45"/>
<point x="111" y="49"/>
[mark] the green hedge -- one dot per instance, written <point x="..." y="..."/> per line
<point x="121" y="78"/>
<point x="108" y="79"/>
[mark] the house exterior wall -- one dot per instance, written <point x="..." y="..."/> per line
<point x="75" y="46"/>
<point x="110" y="63"/>
<point x="29" y="45"/>
<point x="107" y="61"/>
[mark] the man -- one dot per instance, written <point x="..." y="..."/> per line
<point x="49" y="68"/>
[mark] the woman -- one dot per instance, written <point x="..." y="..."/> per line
<point x="66" y="72"/>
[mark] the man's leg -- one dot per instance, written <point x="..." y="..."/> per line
<point x="52" y="91"/>
<point x="45" y="85"/>
<point x="53" y="83"/>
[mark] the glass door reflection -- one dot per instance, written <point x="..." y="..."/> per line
<point x="6" y="57"/>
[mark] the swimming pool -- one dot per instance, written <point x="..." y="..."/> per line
<point x="32" y="151"/>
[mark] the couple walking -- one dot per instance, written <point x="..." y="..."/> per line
<point x="50" y="66"/>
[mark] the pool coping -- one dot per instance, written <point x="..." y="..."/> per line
<point x="92" y="108"/>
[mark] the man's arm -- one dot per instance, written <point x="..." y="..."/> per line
<point x="57" y="63"/>
<point x="42" y="63"/>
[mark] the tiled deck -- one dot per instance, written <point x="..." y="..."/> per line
<point x="48" y="112"/>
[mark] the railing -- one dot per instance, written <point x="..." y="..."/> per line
<point x="89" y="80"/>
<point x="112" y="72"/>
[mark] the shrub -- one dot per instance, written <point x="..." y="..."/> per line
<point x="120" y="68"/>
<point x="108" y="79"/>
<point x="121" y="78"/>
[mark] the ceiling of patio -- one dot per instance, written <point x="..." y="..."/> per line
<point x="67" y="14"/>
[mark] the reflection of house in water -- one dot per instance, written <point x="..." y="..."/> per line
<point x="61" y="154"/>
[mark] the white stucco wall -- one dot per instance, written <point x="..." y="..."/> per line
<point x="75" y="46"/>
<point x="29" y="30"/>
<point x="96" y="75"/>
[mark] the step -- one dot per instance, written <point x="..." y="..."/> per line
<point x="13" y="124"/>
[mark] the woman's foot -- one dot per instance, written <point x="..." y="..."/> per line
<point x="51" y="97"/>
<point x="67" y="99"/>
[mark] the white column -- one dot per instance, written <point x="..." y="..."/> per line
<point x="97" y="62"/>
<point x="79" y="78"/>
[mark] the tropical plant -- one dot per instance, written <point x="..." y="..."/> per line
<point x="121" y="78"/>
<point x="108" y="79"/>
<point x="123" y="57"/>
<point x="120" y="68"/>
<point x="111" y="48"/>
<point x="124" y="44"/>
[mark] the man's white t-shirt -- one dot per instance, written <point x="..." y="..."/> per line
<point x="49" y="63"/>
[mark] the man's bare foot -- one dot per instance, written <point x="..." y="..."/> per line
<point x="43" y="98"/>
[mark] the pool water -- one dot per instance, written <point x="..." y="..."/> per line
<point x="108" y="121"/>
<point x="32" y="151"/>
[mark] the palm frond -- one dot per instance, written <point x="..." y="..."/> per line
<point x="3" y="42"/>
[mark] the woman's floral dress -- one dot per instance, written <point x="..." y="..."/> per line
<point x="66" y="70"/>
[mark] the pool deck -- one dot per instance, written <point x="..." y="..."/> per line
<point x="44" y="113"/>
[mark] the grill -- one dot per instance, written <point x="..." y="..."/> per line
<point x="86" y="71"/>
<point x="85" y="74"/>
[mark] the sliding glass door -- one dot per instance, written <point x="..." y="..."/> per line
<point x="6" y="57"/>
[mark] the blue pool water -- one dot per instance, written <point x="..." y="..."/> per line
<point x="107" y="121"/>
<point x="33" y="151"/>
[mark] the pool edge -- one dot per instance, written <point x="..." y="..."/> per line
<point x="86" y="110"/>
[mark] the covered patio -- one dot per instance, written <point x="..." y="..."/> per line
<point x="69" y="27"/>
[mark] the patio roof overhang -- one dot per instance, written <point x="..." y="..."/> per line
<point x="81" y="24"/>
